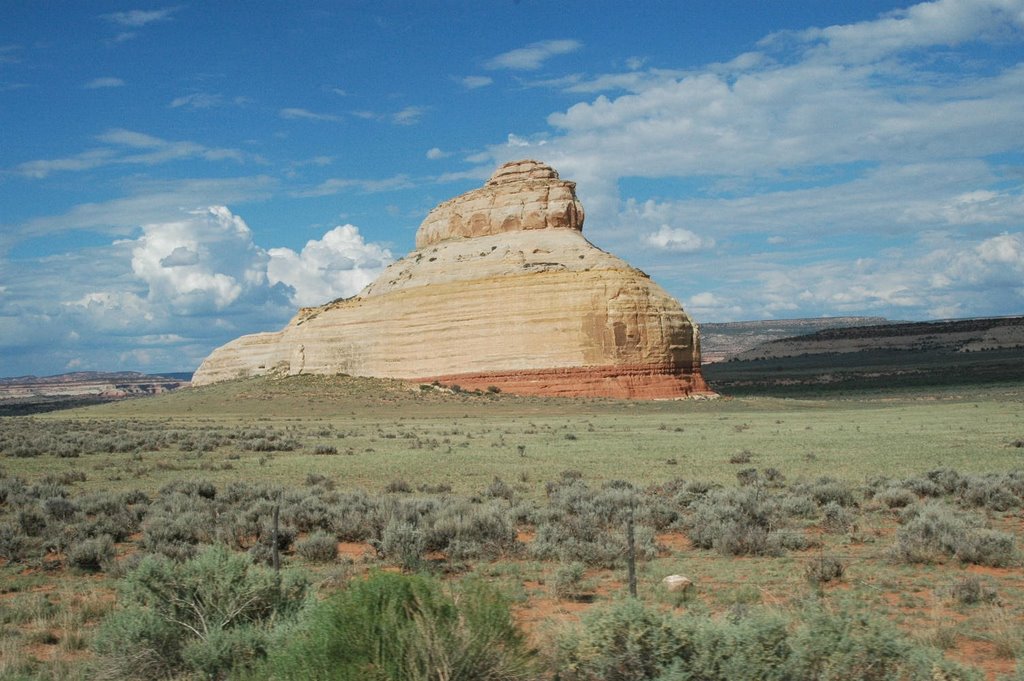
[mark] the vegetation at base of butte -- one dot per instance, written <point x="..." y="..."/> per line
<point x="856" y="538"/>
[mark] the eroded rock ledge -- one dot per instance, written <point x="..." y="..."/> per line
<point x="502" y="290"/>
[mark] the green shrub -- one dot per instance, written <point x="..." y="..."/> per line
<point x="271" y="443"/>
<point x="318" y="480"/>
<point x="47" y="490"/>
<point x="31" y="521"/>
<point x="351" y="515"/>
<point x="842" y="646"/>
<point x="632" y="642"/>
<point x="922" y="487"/>
<point x="499" y="489"/>
<point x="774" y="477"/>
<point x="190" y="488"/>
<point x="398" y="486"/>
<point x="12" y="543"/>
<point x="626" y="641"/>
<point x="567" y="581"/>
<point x="586" y="525"/>
<point x="136" y="643"/>
<point x="319" y="547"/>
<point x="174" y="536"/>
<point x="120" y="525"/>
<point x="225" y="650"/>
<point x="91" y="555"/>
<point x="403" y="544"/>
<point x="936" y="532"/>
<point x="825" y="490"/>
<point x="824" y="568"/>
<point x="896" y="497"/>
<point x="12" y="491"/>
<point x="755" y="647"/>
<point x="307" y="512"/>
<point x="210" y="615"/>
<point x="463" y="530"/>
<point x="656" y="512"/>
<point x="947" y="479"/>
<point x="982" y="546"/>
<point x="392" y="627"/>
<point x="798" y="506"/>
<point x="736" y="522"/>
<point x="741" y="457"/>
<point x="60" y="508"/>
<point x="996" y="492"/>
<point x="971" y="589"/>
<point x="836" y="519"/>
<point x="794" y="539"/>
<point x="747" y="476"/>
<point x="262" y="552"/>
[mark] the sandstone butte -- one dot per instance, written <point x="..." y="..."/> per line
<point x="502" y="290"/>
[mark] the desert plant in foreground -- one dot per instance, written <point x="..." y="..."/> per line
<point x="629" y="641"/>
<point x="209" y="615"/>
<point x="392" y="627"/>
<point x="567" y="581"/>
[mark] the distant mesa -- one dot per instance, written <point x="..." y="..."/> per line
<point x="24" y="395"/>
<point x="502" y="290"/>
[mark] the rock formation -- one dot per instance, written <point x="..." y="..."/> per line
<point x="502" y="290"/>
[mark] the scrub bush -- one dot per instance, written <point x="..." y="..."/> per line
<point x="568" y="580"/>
<point x="971" y="589"/>
<point x="91" y="555"/>
<point x="319" y="547"/>
<point x="935" y="532"/>
<point x="585" y="525"/>
<point x="629" y="641"/>
<point x="824" y="568"/>
<point x="463" y="530"/>
<point x="392" y="627"/>
<point x="208" y="616"/>
<point x="736" y="522"/>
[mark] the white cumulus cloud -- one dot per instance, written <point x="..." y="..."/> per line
<point x="338" y="265"/>
<point x="164" y="298"/>
<point x="678" y="239"/>
<point x="201" y="263"/>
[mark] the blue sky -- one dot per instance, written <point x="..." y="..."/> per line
<point x="173" y="175"/>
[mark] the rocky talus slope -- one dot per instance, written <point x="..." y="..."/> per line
<point x="502" y="290"/>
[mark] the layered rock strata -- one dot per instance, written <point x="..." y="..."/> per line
<point x="502" y="290"/>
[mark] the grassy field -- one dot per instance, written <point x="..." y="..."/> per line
<point x="327" y="437"/>
<point x="384" y="431"/>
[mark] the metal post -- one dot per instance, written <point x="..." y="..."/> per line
<point x="276" y="554"/>
<point x="631" y="552"/>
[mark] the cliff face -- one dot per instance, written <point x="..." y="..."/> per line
<point x="502" y="290"/>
